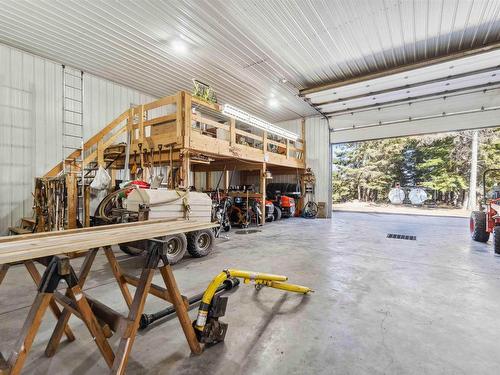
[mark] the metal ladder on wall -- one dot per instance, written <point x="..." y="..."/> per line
<point x="72" y="125"/>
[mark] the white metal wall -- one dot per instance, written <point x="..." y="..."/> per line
<point x="105" y="100"/>
<point x="30" y="128"/>
<point x="31" y="123"/>
<point x="318" y="155"/>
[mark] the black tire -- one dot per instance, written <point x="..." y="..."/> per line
<point x="277" y="213"/>
<point x="227" y="228"/>
<point x="131" y="250"/>
<point x="496" y="239"/>
<point x="477" y="226"/>
<point x="176" y="247"/>
<point x="200" y="243"/>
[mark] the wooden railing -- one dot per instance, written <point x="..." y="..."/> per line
<point x="169" y="120"/>
<point x="206" y="138"/>
<point x="138" y="122"/>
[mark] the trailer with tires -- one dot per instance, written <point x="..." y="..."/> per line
<point x="137" y="204"/>
<point x="487" y="219"/>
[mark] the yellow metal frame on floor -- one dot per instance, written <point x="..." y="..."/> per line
<point x="259" y="279"/>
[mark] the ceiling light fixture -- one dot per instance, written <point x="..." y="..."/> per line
<point x="179" y="46"/>
<point x="273" y="102"/>
<point x="243" y="116"/>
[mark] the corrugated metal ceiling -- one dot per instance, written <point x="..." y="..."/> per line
<point x="245" y="48"/>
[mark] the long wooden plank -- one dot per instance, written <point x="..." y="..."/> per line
<point x="59" y="242"/>
<point x="26" y="249"/>
<point x="210" y="122"/>
<point x="32" y="236"/>
<point x="160" y="120"/>
<point x="161" y="102"/>
<point x="279" y="144"/>
<point x="249" y="135"/>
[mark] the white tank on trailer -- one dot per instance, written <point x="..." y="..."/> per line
<point x="172" y="204"/>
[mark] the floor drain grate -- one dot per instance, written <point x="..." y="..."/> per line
<point x="401" y="236"/>
<point x="247" y="231"/>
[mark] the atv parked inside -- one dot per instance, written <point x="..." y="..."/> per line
<point x="283" y="196"/>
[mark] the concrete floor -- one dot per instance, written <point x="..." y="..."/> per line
<point x="382" y="306"/>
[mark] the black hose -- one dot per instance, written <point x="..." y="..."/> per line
<point x="147" y="319"/>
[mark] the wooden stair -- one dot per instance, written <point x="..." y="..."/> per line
<point x="27" y="226"/>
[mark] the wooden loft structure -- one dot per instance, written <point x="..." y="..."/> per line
<point x="190" y="126"/>
<point x="186" y="134"/>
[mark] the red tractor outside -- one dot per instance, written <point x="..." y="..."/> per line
<point x="487" y="220"/>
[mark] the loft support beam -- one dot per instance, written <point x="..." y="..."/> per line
<point x="263" y="192"/>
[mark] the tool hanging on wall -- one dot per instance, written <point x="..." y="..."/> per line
<point x="310" y="210"/>
<point x="160" y="146"/>
<point x="141" y="157"/>
<point x="50" y="201"/>
<point x="156" y="179"/>
<point x="171" y="172"/>
<point x="133" y="169"/>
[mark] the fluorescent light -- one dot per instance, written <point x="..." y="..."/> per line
<point x="243" y="116"/>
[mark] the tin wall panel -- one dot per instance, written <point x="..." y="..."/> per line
<point x="31" y="134"/>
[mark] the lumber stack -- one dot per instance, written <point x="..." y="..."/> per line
<point x="37" y="245"/>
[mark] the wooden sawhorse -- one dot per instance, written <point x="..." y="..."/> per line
<point x="99" y="318"/>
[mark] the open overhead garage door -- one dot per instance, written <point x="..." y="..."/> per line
<point x="455" y="95"/>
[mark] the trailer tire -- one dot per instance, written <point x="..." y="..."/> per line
<point x="277" y="213"/>
<point x="131" y="250"/>
<point x="477" y="226"/>
<point x="496" y="239"/>
<point x="176" y="247"/>
<point x="200" y="243"/>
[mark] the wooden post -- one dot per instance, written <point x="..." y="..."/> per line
<point x="86" y="203"/>
<point x="226" y="180"/>
<point x="130" y="123"/>
<point x="232" y="132"/>
<point x="263" y="192"/>
<point x="208" y="181"/>
<point x="171" y="164"/>
<point x="72" y="196"/>
<point x="303" y="127"/>
<point x="113" y="180"/>
<point x="288" y="149"/>
<point x="187" y="119"/>
<point x="100" y="154"/>
<point x="179" y="117"/>
<point x="264" y="143"/>
<point x="141" y="123"/>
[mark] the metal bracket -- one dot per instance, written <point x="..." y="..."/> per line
<point x="58" y="269"/>
<point x="157" y="250"/>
